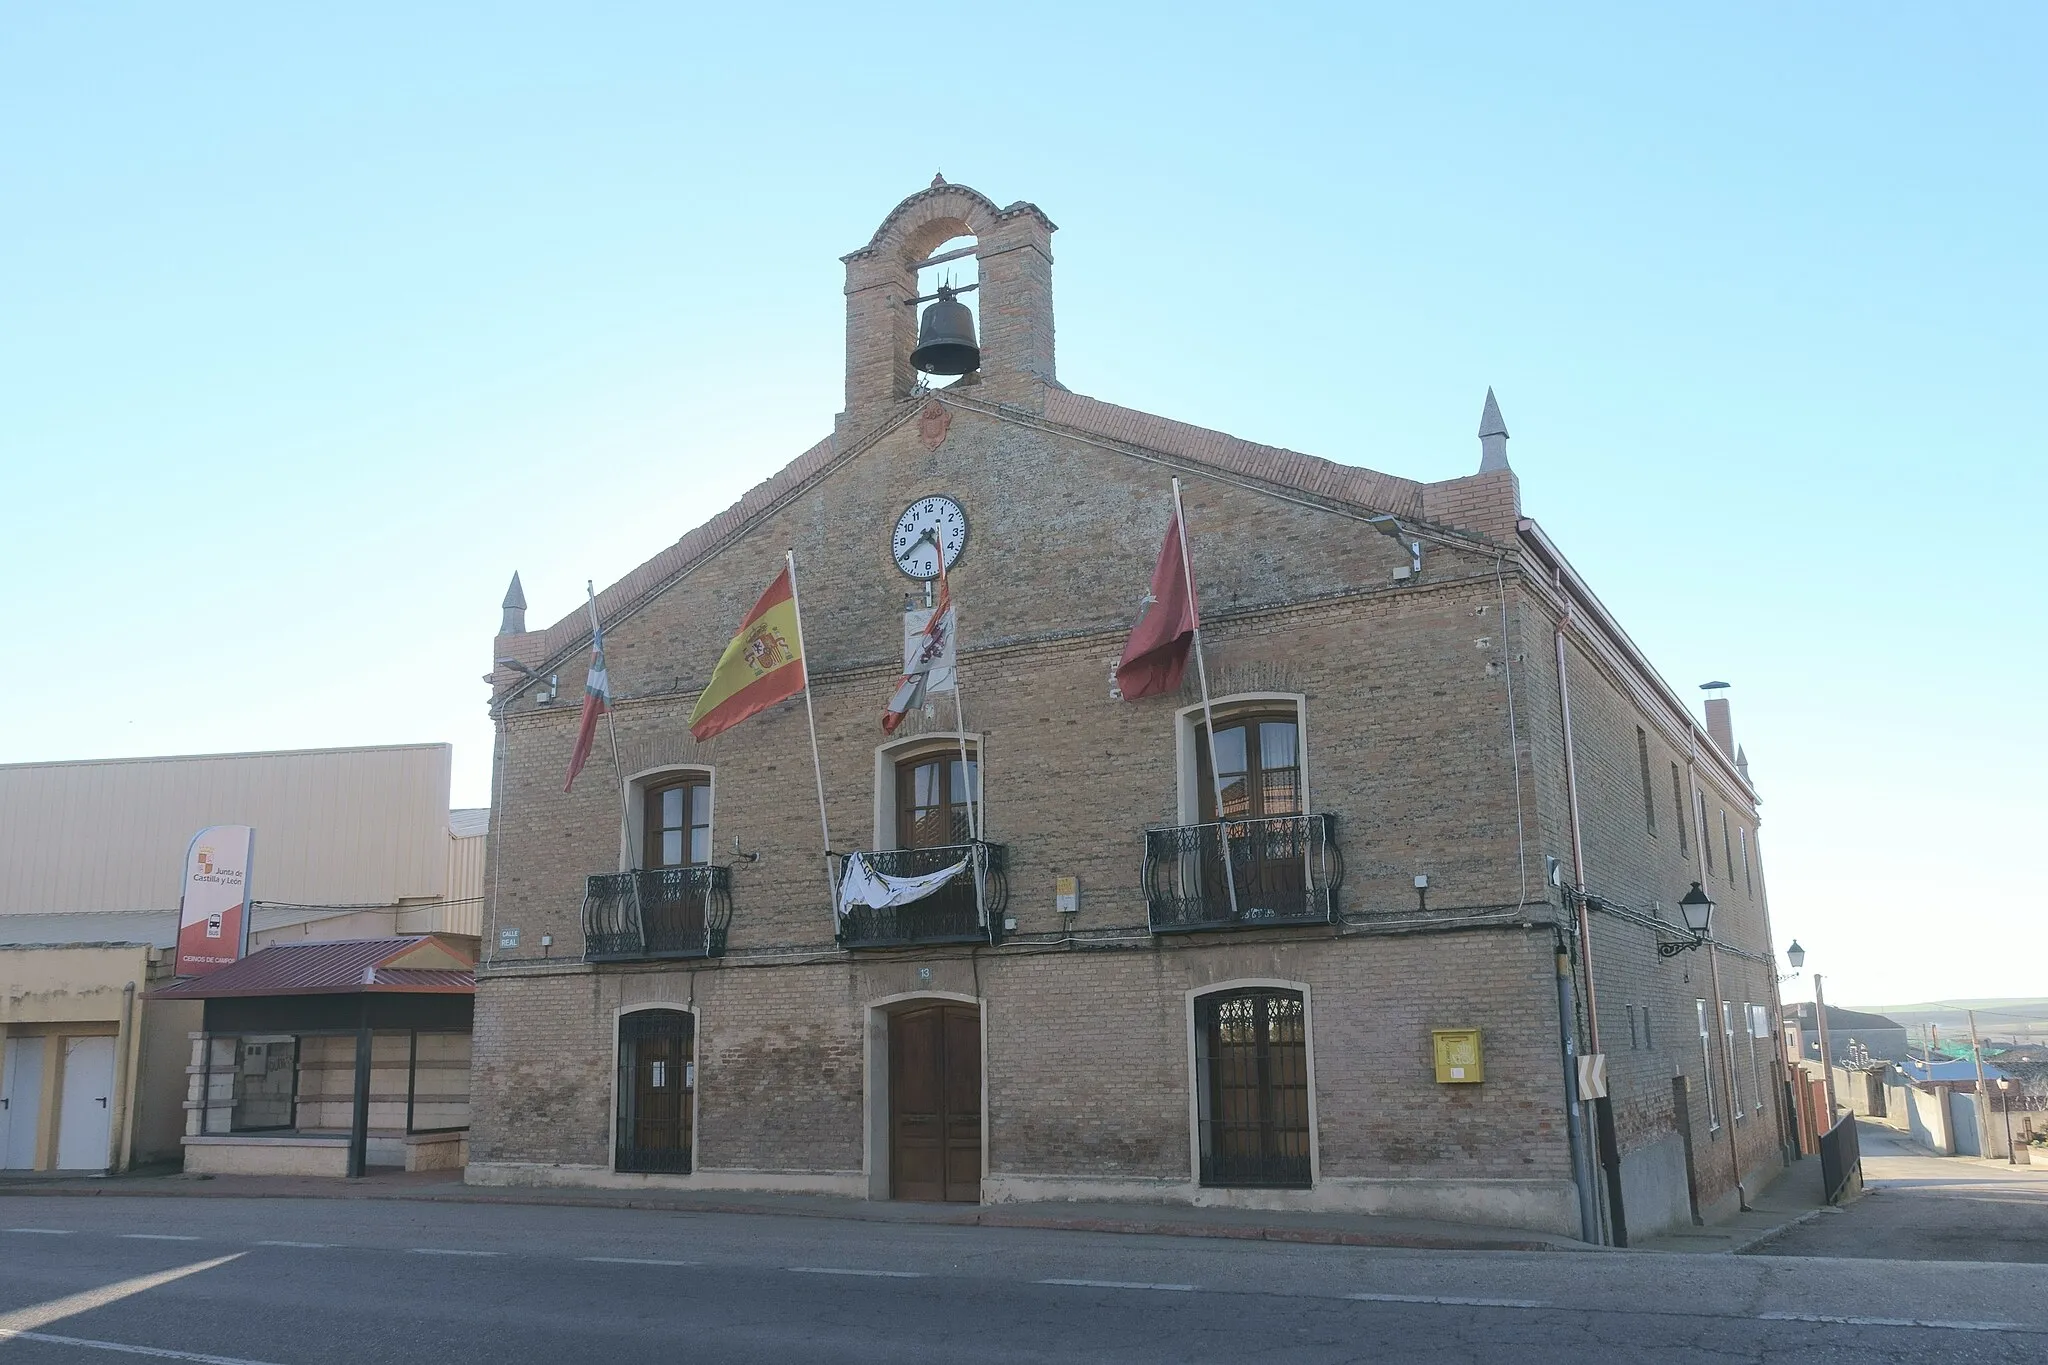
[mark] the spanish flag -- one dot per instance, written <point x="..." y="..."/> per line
<point x="763" y="664"/>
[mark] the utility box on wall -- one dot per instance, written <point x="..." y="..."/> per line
<point x="1458" y="1057"/>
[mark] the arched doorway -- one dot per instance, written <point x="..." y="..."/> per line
<point x="657" y="1091"/>
<point x="934" y="1127"/>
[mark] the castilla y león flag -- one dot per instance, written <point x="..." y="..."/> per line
<point x="597" y="699"/>
<point x="1157" y="652"/>
<point x="763" y="664"/>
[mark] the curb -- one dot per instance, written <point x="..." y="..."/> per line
<point x="1773" y="1234"/>
<point x="984" y="1217"/>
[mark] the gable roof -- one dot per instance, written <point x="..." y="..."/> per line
<point x="1183" y="443"/>
<point x="419" y="963"/>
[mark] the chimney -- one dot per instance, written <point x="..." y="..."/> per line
<point x="514" y="620"/>
<point x="1720" y="728"/>
<point x="1493" y="437"/>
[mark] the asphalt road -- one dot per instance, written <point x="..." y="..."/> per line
<point x="306" y="1282"/>
<point x="1930" y="1208"/>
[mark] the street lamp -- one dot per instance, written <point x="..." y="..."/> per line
<point x="1796" y="955"/>
<point x="2005" y="1107"/>
<point x="1697" y="908"/>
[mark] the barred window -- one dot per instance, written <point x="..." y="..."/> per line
<point x="1251" y="1079"/>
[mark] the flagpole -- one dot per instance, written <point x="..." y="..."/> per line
<point x="611" y="729"/>
<point x="1180" y="519"/>
<point x="968" y="773"/>
<point x="796" y="603"/>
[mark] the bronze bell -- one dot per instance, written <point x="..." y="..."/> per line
<point x="945" y="338"/>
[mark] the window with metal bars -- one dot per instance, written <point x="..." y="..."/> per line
<point x="657" y="1080"/>
<point x="1251" y="1064"/>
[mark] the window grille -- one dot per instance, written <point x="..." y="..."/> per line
<point x="1252" y="1083"/>
<point x="657" y="1081"/>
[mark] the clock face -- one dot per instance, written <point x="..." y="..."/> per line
<point x="925" y="527"/>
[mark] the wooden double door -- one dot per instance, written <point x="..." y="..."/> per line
<point x="935" y="1104"/>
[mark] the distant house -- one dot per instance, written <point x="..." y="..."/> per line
<point x="1852" y="1035"/>
<point x="1946" y="1073"/>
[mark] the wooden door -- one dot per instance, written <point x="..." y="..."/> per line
<point x="656" y="1086"/>
<point x="935" y="1104"/>
<point x="1260" y="761"/>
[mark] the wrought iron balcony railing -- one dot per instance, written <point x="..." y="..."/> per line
<point x="947" y="915"/>
<point x="1285" y="869"/>
<point x="666" y="912"/>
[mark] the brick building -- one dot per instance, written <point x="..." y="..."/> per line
<point x="670" y="997"/>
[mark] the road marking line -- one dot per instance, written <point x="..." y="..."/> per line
<point x="1858" y="1320"/>
<point x="449" y="1251"/>
<point x="39" y="1315"/>
<point x="46" y="1232"/>
<point x="160" y="1352"/>
<point x="1451" y="1300"/>
<point x="1121" y="1284"/>
<point x="158" y="1237"/>
<point x="841" y="1270"/>
<point x="631" y="1260"/>
<point x="295" y="1244"/>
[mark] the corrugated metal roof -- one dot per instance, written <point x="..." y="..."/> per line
<point x="1948" y="1070"/>
<point x="469" y="822"/>
<point x="344" y="967"/>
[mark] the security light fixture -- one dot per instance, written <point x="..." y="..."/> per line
<point x="1697" y="909"/>
<point x="1391" y="526"/>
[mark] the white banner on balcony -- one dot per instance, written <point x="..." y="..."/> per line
<point x="862" y="885"/>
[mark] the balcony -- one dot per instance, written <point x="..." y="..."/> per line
<point x="947" y="915"/>
<point x="672" y="912"/>
<point x="1285" y="870"/>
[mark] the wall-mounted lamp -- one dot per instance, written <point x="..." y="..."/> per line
<point x="1697" y="908"/>
<point x="1391" y="526"/>
<point x="547" y="689"/>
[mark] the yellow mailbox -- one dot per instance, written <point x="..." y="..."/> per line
<point x="1458" y="1059"/>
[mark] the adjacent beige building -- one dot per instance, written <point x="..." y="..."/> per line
<point x="350" y="843"/>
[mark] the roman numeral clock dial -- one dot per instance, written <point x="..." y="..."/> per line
<point x="927" y="528"/>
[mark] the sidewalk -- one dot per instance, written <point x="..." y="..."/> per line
<point x="1160" y="1220"/>
<point x="1793" y="1198"/>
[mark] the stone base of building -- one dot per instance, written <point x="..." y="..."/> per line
<point x="1537" y="1205"/>
<point x="540" y="1174"/>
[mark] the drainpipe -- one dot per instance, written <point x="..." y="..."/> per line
<point x="1602" y="1114"/>
<point x="1582" y="1166"/>
<point x="124" y="1042"/>
<point x="1699" y="824"/>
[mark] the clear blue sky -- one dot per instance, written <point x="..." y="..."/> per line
<point x="313" y="327"/>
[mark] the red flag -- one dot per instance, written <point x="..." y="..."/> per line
<point x="597" y="699"/>
<point x="1157" y="651"/>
